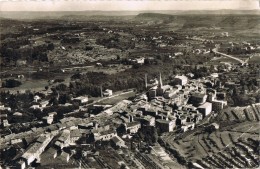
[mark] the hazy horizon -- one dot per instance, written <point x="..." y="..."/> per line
<point x="143" y="10"/>
<point x="126" y="5"/>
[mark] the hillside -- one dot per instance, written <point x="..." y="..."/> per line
<point x="234" y="145"/>
<point x="154" y="16"/>
<point x="240" y="114"/>
<point x="94" y="17"/>
<point x="202" y="20"/>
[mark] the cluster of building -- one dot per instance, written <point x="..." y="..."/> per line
<point x="179" y="106"/>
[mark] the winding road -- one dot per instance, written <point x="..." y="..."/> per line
<point x="229" y="56"/>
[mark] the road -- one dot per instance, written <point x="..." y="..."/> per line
<point x="99" y="100"/>
<point x="229" y="56"/>
<point x="104" y="98"/>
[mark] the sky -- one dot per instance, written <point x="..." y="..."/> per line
<point x="121" y="5"/>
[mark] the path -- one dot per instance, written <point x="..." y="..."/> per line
<point x="229" y="56"/>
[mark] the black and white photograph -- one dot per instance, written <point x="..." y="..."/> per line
<point x="129" y="84"/>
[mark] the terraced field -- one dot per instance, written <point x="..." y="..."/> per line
<point x="234" y="145"/>
<point x="248" y="113"/>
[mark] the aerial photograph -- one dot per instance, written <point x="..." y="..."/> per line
<point x="130" y="84"/>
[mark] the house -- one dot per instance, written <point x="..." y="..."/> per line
<point x="75" y="135"/>
<point x="181" y="119"/>
<point x="140" y="60"/>
<point x="81" y="99"/>
<point x="142" y="97"/>
<point x="2" y="107"/>
<point x="218" y="105"/>
<point x="20" y="164"/>
<point x="132" y="127"/>
<point x="52" y="152"/>
<point x="164" y="125"/>
<point x="148" y="120"/>
<point x="34" y="151"/>
<point x="180" y="80"/>
<point x="205" y="109"/>
<point x="99" y="64"/>
<point x="15" y="141"/>
<point x="197" y="98"/>
<point x="188" y="126"/>
<point x="47" y="119"/>
<point x="35" y="107"/>
<point x="5" y="123"/>
<point x="18" y="114"/>
<point x="48" y="156"/>
<point x="107" y="93"/>
<point x="36" y="98"/>
<point x="170" y="93"/>
<point x="63" y="140"/>
<point x="152" y="93"/>
<point x="21" y="62"/>
<point x="2" y="117"/>
<point x="43" y="104"/>
<point x="105" y="135"/>
<point x="116" y="141"/>
<point x="52" y="114"/>
<point x="178" y="53"/>
<point x="152" y="111"/>
<point x="63" y="157"/>
<point x="214" y="75"/>
<point x="85" y="125"/>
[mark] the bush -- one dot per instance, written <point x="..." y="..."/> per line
<point x="11" y="83"/>
<point x="89" y="48"/>
<point x="58" y="80"/>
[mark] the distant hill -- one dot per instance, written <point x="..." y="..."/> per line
<point x="202" y="20"/>
<point x="94" y="17"/>
<point x="60" y="14"/>
<point x="154" y="16"/>
<point x="5" y="21"/>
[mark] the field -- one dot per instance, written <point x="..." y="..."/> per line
<point x="240" y="114"/>
<point x="255" y="59"/>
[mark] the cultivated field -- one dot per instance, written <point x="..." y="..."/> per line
<point x="234" y="144"/>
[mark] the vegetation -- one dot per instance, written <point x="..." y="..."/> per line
<point x="148" y="134"/>
<point x="11" y="83"/>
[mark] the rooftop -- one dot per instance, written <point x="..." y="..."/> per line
<point x="131" y="124"/>
<point x="111" y="131"/>
<point x="163" y="121"/>
<point x="205" y="105"/>
<point x="117" y="139"/>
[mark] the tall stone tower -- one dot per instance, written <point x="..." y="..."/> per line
<point x="145" y="78"/>
<point x="160" y="81"/>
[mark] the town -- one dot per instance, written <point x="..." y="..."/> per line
<point x="118" y="93"/>
<point x="162" y="109"/>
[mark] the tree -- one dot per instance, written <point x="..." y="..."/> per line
<point x="123" y="166"/>
<point x="118" y="57"/>
<point x="65" y="98"/>
<point x="61" y="87"/>
<point x="148" y="134"/>
<point x="50" y="46"/>
<point x="252" y="100"/>
<point x="46" y="87"/>
<point x="53" y="101"/>
<point x="11" y="83"/>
